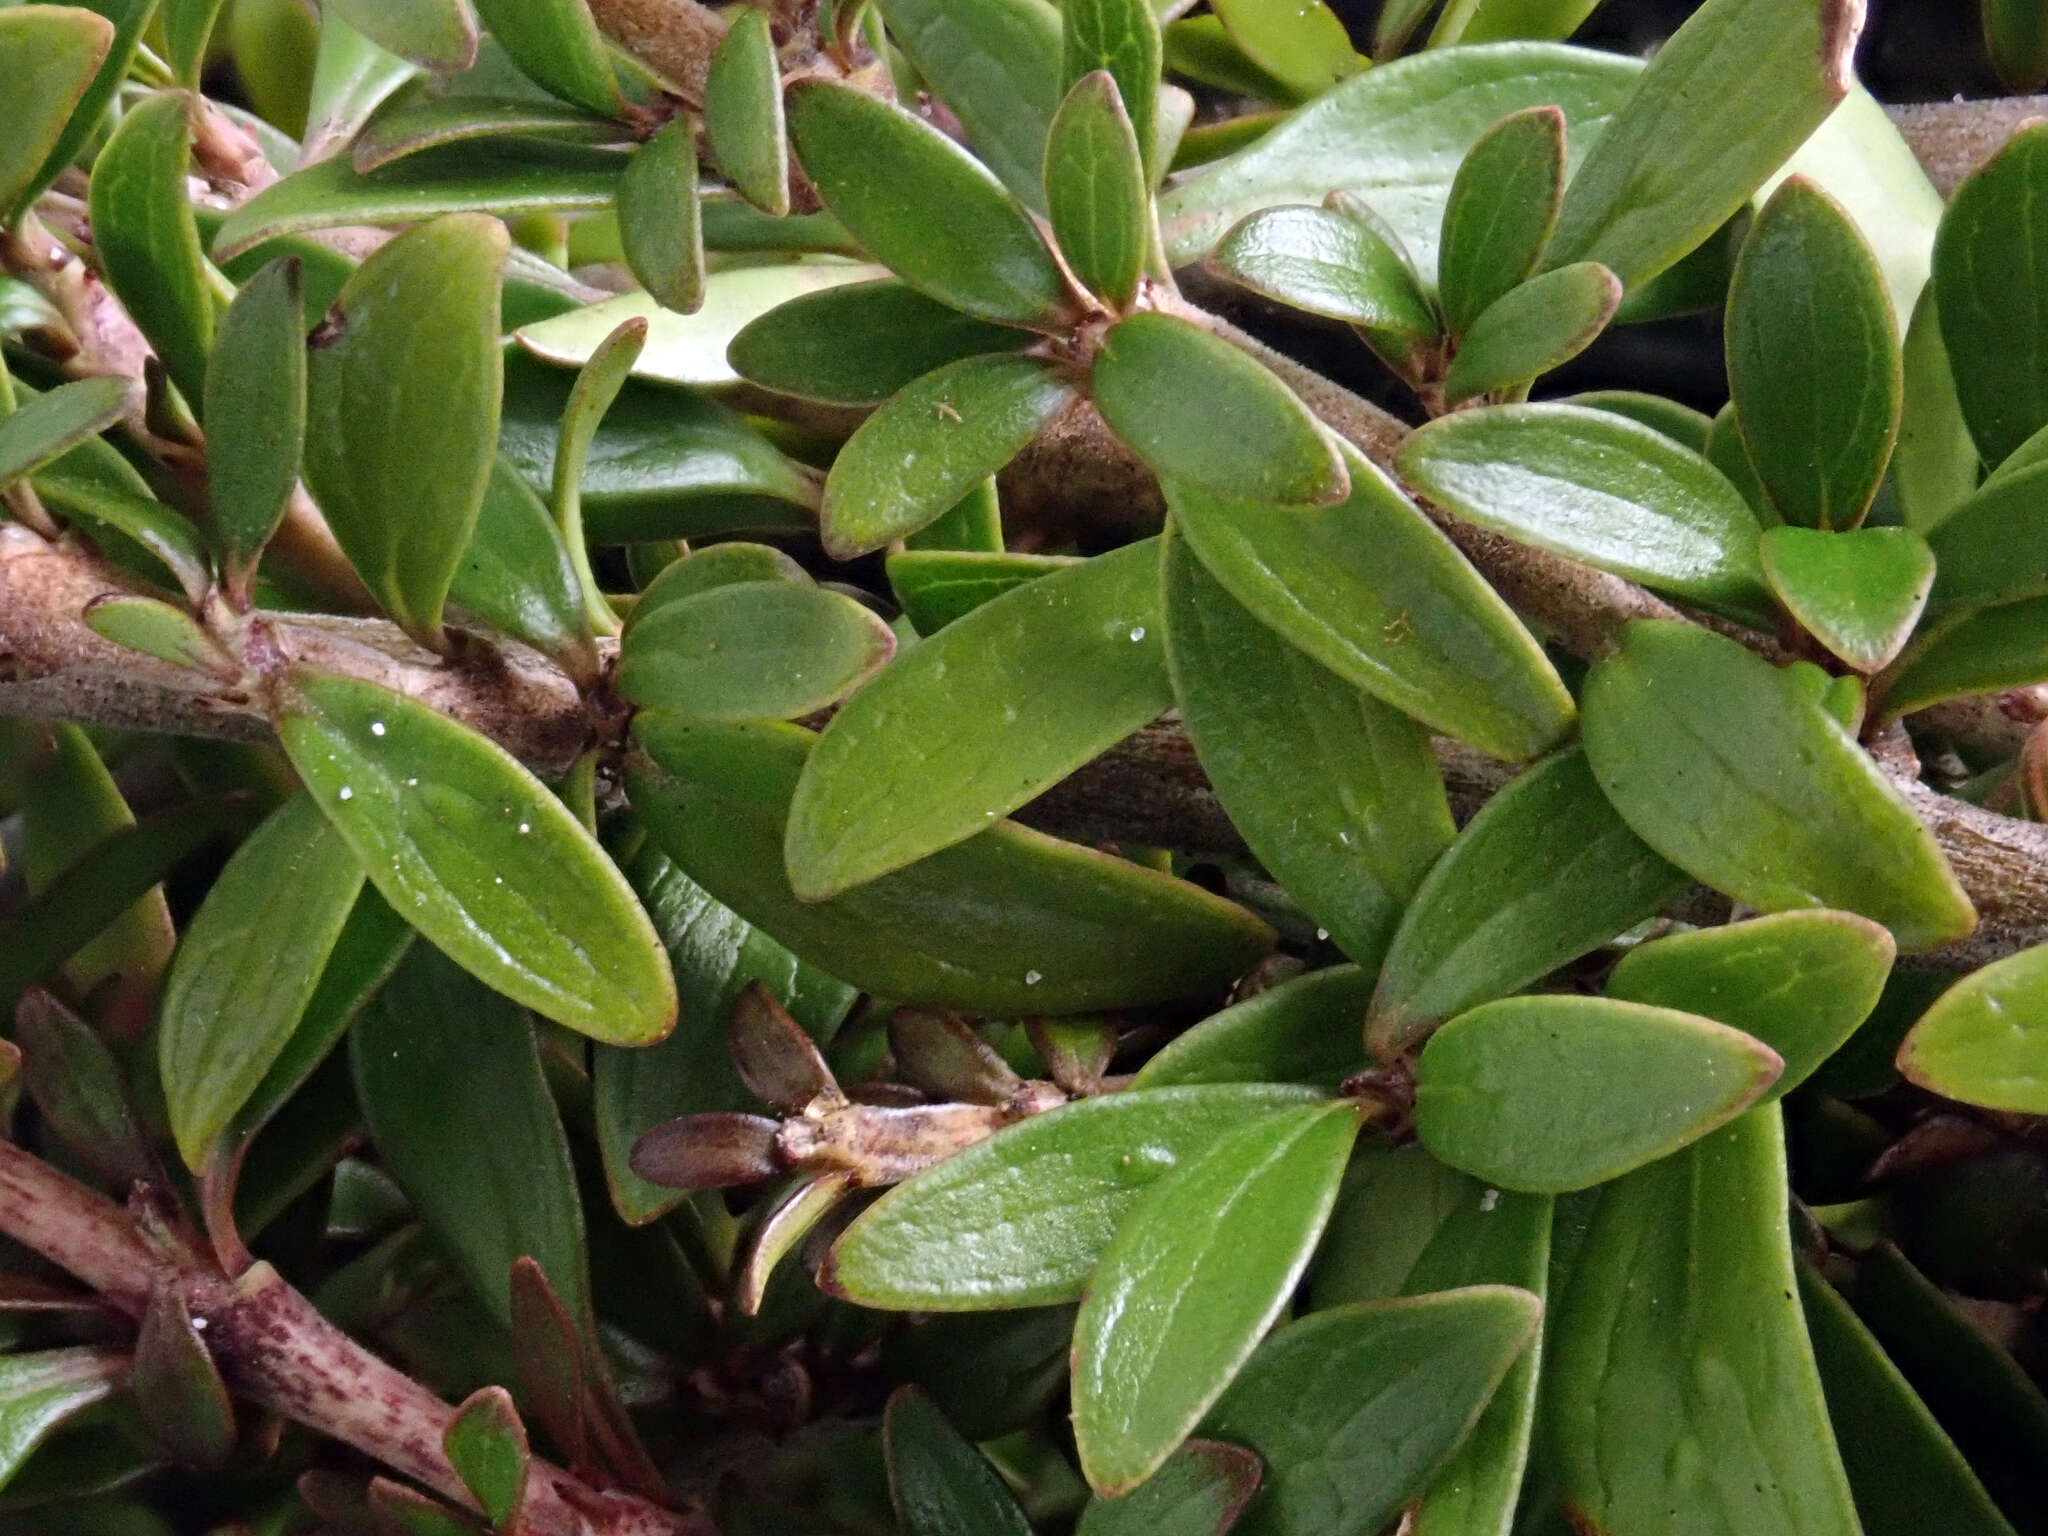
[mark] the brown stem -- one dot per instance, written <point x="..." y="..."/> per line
<point x="673" y="38"/>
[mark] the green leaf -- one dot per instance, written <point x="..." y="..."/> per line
<point x="558" y="45"/>
<point x="1906" y="1474"/>
<point x="159" y="629"/>
<point x="1813" y="359"/>
<point x="516" y="574"/>
<point x="933" y="442"/>
<point x="1493" y="21"/>
<point x="940" y="1484"/>
<point x="1678" y="160"/>
<point x="449" y="1078"/>
<point x="351" y="78"/>
<point x="1096" y="192"/>
<point x="1197" y="409"/>
<point x="1122" y="37"/>
<point x="1858" y="593"/>
<point x="1372" y="590"/>
<point x="39" y="1391"/>
<point x="1328" y="262"/>
<point x="486" y="1444"/>
<point x="1082" y="931"/>
<point x="1987" y="651"/>
<point x="46" y="427"/>
<point x="706" y="570"/>
<point x="2016" y="37"/>
<point x="1597" y="488"/>
<point x="1984" y="284"/>
<point x="1502" y="207"/>
<point x="754" y="651"/>
<point x="1200" y="1491"/>
<point x="1305" y="1030"/>
<point x="743" y="113"/>
<point x="1731" y="770"/>
<point x="937" y="586"/>
<point x="1679" y="1325"/>
<point x="1532" y="328"/>
<point x="1543" y="874"/>
<point x="436" y="34"/>
<point x="1355" y="1410"/>
<point x="1394" y="137"/>
<point x="52" y="53"/>
<point x="1681" y="423"/>
<point x="247" y="967"/>
<point x="1727" y="452"/>
<point x="1983" y="1041"/>
<point x="860" y="344"/>
<point x="597" y="387"/>
<point x="1986" y="550"/>
<point x="1337" y="794"/>
<point x="996" y="63"/>
<point x="476" y="853"/>
<point x="130" y="19"/>
<point x="1198" y="49"/>
<point x="256" y="416"/>
<point x="1191" y="1282"/>
<point x="1022" y="1218"/>
<point x="975" y="721"/>
<point x="1303" y="45"/>
<point x="81" y="1092"/>
<point x="403" y="392"/>
<point x="659" y="225"/>
<point x="1523" y="1092"/>
<point x="430" y="113"/>
<point x="178" y="1389"/>
<point x="865" y="156"/>
<point x="1798" y="981"/>
<point x="496" y="176"/>
<point x="1934" y="465"/>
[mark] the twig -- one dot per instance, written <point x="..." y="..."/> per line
<point x="673" y="38"/>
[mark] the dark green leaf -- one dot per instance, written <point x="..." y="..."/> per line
<point x="1096" y="192"/>
<point x="937" y="586"/>
<point x="659" y="226"/>
<point x="1191" y="1282"/>
<point x="1727" y="452"/>
<point x="1337" y="794"/>
<point x="1022" y="1218"/>
<point x="516" y="574"/>
<point x="486" y="1444"/>
<point x="429" y="113"/>
<point x="184" y="1402"/>
<point x="861" y="343"/>
<point x="743" y="113"/>
<point x="69" y="47"/>
<point x="864" y="156"/>
<point x="1082" y="931"/>
<point x="1121" y="36"/>
<point x="1934" y="465"/>
<point x="1677" y="160"/>
<point x="1303" y="44"/>
<point x="754" y="651"/>
<point x="1303" y="1031"/>
<point x="1858" y="593"/>
<point x="256" y="416"/>
<point x="1595" y="487"/>
<point x="247" y="967"/>
<point x="1502" y="207"/>
<point x="1679" y="1318"/>
<point x="985" y="715"/>
<point x="782" y="1225"/>
<point x="51" y="54"/>
<point x="1983" y="1041"/>
<point x="1798" y="981"/>
<point x="1200" y="50"/>
<point x="476" y="853"/>
<point x="403" y="393"/>
<point x="1544" y="873"/>
<point x="1988" y="550"/>
<point x="49" y="426"/>
<point x="1988" y="651"/>
<point x="1374" y="592"/>
<point x="935" y="441"/>
<point x="1329" y="262"/>
<point x="598" y="382"/>
<point x="941" y="1485"/>
<point x="706" y="570"/>
<point x="1732" y="771"/>
<point x="1524" y="1093"/>
<point x="450" y="1081"/>
<point x="1200" y="1491"/>
<point x="39" y="1391"/>
<point x="1681" y="423"/>
<point x="435" y="34"/>
<point x="1532" y="328"/>
<point x="559" y="46"/>
<point x="81" y="1092"/>
<point x="1356" y="1409"/>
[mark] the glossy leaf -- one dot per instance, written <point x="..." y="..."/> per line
<point x="1522" y="1092"/>
<point x="1986" y="549"/>
<point x="517" y="576"/>
<point x="1732" y="771"/>
<point x="159" y="629"/>
<point x="1062" y="1184"/>
<point x="937" y="586"/>
<point x="1983" y="1041"/>
<point x="1934" y="465"/>
<point x="1594" y="487"/>
<point x="1337" y="794"/>
<point x="1122" y="37"/>
<point x="1082" y="930"/>
<point x="1200" y="1490"/>
<point x="450" y="1082"/>
<point x="1544" y="873"/>
<point x="1859" y="593"/>
<point x="1354" y="1410"/>
<point x="1535" y="327"/>
<point x="183" y="1401"/>
<point x="707" y="570"/>
<point x="1681" y="423"/>
<point x="1675" y="162"/>
<point x="755" y="651"/>
<point x="52" y="54"/>
<point x="403" y="391"/>
<point x="935" y="440"/>
<point x="86" y="109"/>
<point x="1374" y="592"/>
<point x="861" y="343"/>
<point x="1305" y="1030"/>
<point x="1304" y="44"/>
<point x="486" y="1444"/>
<point x="1096" y="191"/>
<point x="1801" y="982"/>
<point x="1680" y="1316"/>
<point x="1327" y="262"/>
<point x="743" y="113"/>
<point x="973" y="722"/>
<point x="1502" y="207"/>
<point x="1394" y="136"/>
<point x="784" y="1224"/>
<point x="429" y="113"/>
<point x="247" y="967"/>
<point x="1987" y="651"/>
<point x="985" y="257"/>
<point x="1201" y="411"/>
<point x="598" y="383"/>
<point x="557" y="43"/>
<point x="436" y="34"/>
<point x="49" y="426"/>
<point x="941" y="1485"/>
<point x="659" y="225"/>
<point x="476" y="853"/>
<point x="1192" y="1281"/>
<point x="41" y="1389"/>
<point x="255" y="407"/>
